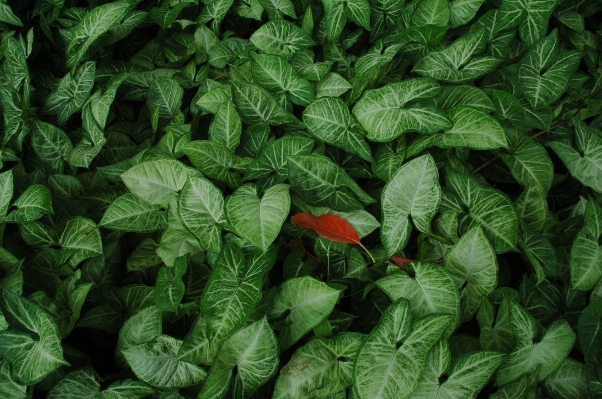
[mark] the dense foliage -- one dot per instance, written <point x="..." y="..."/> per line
<point x="154" y="152"/>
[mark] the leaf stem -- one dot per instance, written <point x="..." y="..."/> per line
<point x="368" y="252"/>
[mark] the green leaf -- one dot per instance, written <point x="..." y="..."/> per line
<point x="385" y="116"/>
<point x="51" y="144"/>
<point x="499" y="337"/>
<point x="130" y="213"/>
<point x="453" y="96"/>
<point x="470" y="374"/>
<point x="258" y="220"/>
<point x="322" y="182"/>
<point x="459" y="62"/>
<point x="568" y="380"/>
<point x="528" y="161"/>
<point x="545" y="71"/>
<point x="276" y="8"/>
<point x="165" y="15"/>
<point x="246" y="360"/>
<point x="226" y="126"/>
<point x="7" y="15"/>
<point x="473" y="265"/>
<point x="233" y="290"/>
<point x="166" y="95"/>
<point x="6" y="192"/>
<point x="546" y="355"/>
<point x="72" y="92"/>
<point x="169" y="289"/>
<point x="96" y="22"/>
<point x="215" y="11"/>
<point x="143" y="327"/>
<point x="381" y="367"/>
<point x="273" y="158"/>
<point x="412" y="191"/>
<point x="176" y="240"/>
<point x="589" y="327"/>
<point x="256" y="105"/>
<point x="532" y="16"/>
<point x="472" y="128"/>
<point x="196" y="347"/>
<point x="486" y="207"/>
<point x="201" y="207"/>
<point x="33" y="347"/>
<point x="155" y="181"/>
<point x="463" y="11"/>
<point x="431" y="12"/>
<point x="585" y="162"/>
<point x="329" y="120"/>
<point x="33" y="204"/>
<point x="338" y="11"/>
<point x="586" y="253"/>
<point x="303" y="303"/>
<point x="83" y="383"/>
<point x="83" y="237"/>
<point x="322" y="367"/>
<point x="156" y="364"/>
<point x="430" y="291"/>
<point x="332" y="85"/>
<point x="214" y="160"/>
<point x="277" y="75"/>
<point x="280" y="38"/>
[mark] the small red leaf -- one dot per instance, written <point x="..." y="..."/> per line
<point x="330" y="226"/>
<point x="400" y="261"/>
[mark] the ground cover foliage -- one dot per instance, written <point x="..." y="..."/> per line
<point x="160" y="160"/>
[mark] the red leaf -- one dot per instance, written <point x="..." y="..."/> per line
<point x="330" y="226"/>
<point x="333" y="227"/>
<point x="400" y="261"/>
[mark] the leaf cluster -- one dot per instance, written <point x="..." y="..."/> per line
<point x="153" y="152"/>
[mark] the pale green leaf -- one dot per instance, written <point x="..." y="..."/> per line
<point x="322" y="182"/>
<point x="488" y="208"/>
<point x="258" y="220"/>
<point x="131" y="213"/>
<point x="381" y="368"/>
<point x="277" y="75"/>
<point x="154" y="181"/>
<point x="303" y="302"/>
<point x="329" y="120"/>
<point x="156" y="364"/>
<point x="33" y="347"/>
<point x="585" y="162"/>
<point x="281" y="38"/>
<point x="226" y="126"/>
<point x="545" y="72"/>
<point x="72" y="92"/>
<point x="233" y="290"/>
<point x="322" y="367"/>
<point x="201" y="207"/>
<point x="528" y="356"/>
<point x="385" y="116"/>
<point x="569" y="380"/>
<point x="430" y="291"/>
<point x="246" y="360"/>
<point x="33" y="204"/>
<point x="83" y="237"/>
<point x="459" y="62"/>
<point x="96" y="22"/>
<point x="412" y="191"/>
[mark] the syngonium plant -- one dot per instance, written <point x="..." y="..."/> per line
<point x="154" y="152"/>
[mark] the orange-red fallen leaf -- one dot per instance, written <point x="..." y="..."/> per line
<point x="400" y="261"/>
<point x="330" y="226"/>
